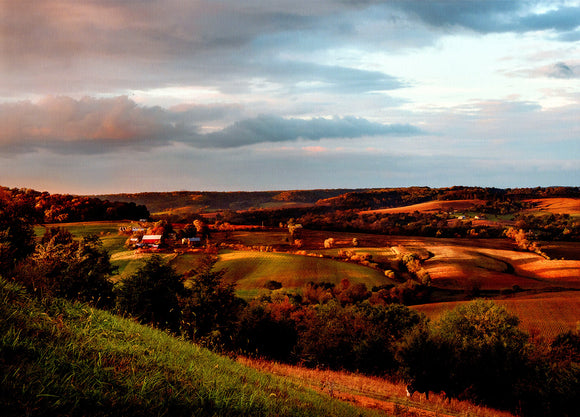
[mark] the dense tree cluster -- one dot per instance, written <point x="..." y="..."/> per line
<point x="58" y="208"/>
<point x="16" y="232"/>
<point x="409" y="224"/>
<point x="65" y="267"/>
<point x="502" y="207"/>
<point x="374" y="199"/>
<point x="550" y="227"/>
<point x="342" y="199"/>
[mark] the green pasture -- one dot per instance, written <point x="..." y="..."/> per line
<point x="108" y="232"/>
<point x="251" y="270"/>
<point x="129" y="262"/>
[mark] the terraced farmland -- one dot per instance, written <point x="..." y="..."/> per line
<point x="490" y="264"/>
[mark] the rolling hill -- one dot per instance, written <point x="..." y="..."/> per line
<point x="60" y="358"/>
<point x="251" y="270"/>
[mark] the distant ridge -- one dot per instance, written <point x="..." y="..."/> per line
<point x="340" y="198"/>
<point x="234" y="200"/>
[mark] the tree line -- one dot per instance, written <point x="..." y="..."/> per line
<point x="44" y="207"/>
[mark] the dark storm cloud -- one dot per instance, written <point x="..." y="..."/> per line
<point x="88" y="125"/>
<point x="481" y="16"/>
<point x="562" y="20"/>
<point x="276" y="129"/>
<point x="67" y="126"/>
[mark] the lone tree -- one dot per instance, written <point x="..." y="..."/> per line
<point x="294" y="229"/>
<point x="489" y="351"/>
<point x="475" y="351"/>
<point x="151" y="295"/>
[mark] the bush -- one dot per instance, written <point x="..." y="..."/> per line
<point x="273" y="285"/>
<point x="264" y="332"/>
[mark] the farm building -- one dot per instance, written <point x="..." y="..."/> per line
<point x="152" y="241"/>
<point x="191" y="241"/>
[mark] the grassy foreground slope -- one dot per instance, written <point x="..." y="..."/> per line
<point x="59" y="358"/>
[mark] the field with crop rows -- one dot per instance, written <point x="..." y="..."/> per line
<point x="545" y="314"/>
<point x="250" y="270"/>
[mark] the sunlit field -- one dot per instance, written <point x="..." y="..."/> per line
<point x="543" y="314"/>
<point x="251" y="270"/>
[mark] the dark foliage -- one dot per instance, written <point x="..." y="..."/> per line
<point x="151" y="295"/>
<point x="79" y="270"/>
<point x="359" y="337"/>
<point x="209" y="306"/>
<point x="267" y="330"/>
<point x="16" y="233"/>
<point x="57" y="208"/>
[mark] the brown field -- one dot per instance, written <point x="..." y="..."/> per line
<point x="453" y="264"/>
<point x="569" y="206"/>
<point x="544" y="314"/>
<point x="492" y="264"/>
<point x="373" y="392"/>
<point x="431" y="206"/>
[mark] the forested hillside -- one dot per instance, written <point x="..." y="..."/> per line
<point x="44" y="207"/>
<point x="335" y="198"/>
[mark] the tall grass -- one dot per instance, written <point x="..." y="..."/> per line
<point x="376" y="392"/>
<point x="59" y="358"/>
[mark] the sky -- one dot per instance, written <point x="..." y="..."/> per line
<point x="111" y="96"/>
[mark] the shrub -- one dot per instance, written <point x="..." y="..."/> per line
<point x="263" y="331"/>
<point x="273" y="285"/>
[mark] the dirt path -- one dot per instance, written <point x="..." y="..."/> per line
<point x="372" y="392"/>
<point x="391" y="407"/>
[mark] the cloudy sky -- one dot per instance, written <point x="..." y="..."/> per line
<point x="101" y="96"/>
